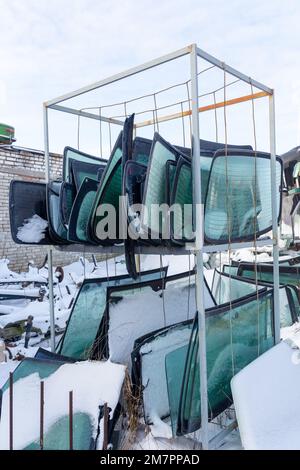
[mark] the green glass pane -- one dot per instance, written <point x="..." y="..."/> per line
<point x="110" y="167"/>
<point x="142" y="158"/>
<point x="86" y="170"/>
<point x="295" y="297"/>
<point x="54" y="210"/>
<point x="84" y="321"/>
<point x="238" y="202"/>
<point x="183" y="205"/>
<point x="230" y="269"/>
<point x="155" y="190"/>
<point x="87" y="314"/>
<point x="84" y="215"/>
<point x="113" y="188"/>
<point x="227" y="289"/>
<point x="171" y="172"/>
<point x="205" y="163"/>
<point x="67" y="197"/>
<point x="81" y="175"/>
<point x="73" y="155"/>
<point x="115" y="159"/>
<point x="58" y="436"/>
<point x="81" y="210"/>
<point x="175" y="364"/>
<point x="286" y="278"/>
<point x="110" y="195"/>
<point x="235" y="337"/>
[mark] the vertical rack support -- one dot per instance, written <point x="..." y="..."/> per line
<point x="274" y="192"/>
<point x="198" y="211"/>
<point x="50" y="262"/>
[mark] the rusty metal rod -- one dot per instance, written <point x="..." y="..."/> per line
<point x="42" y="416"/>
<point x="105" y="426"/>
<point x="71" y="419"/>
<point x="11" y="410"/>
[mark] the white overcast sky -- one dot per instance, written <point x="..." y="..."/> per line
<point x="50" y="47"/>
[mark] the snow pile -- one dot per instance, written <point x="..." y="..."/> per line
<point x="143" y="311"/>
<point x="266" y="396"/>
<point x="40" y="313"/>
<point x="32" y="230"/>
<point x="92" y="383"/>
<point x="5" y="272"/>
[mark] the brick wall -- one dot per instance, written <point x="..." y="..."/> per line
<point x="26" y="165"/>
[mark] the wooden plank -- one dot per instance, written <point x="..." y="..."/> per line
<point x="202" y="109"/>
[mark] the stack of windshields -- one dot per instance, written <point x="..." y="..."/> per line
<point x="165" y="367"/>
<point x="92" y="384"/>
<point x="42" y="213"/>
<point x="81" y="176"/>
<point x="164" y="187"/>
<point x="181" y="198"/>
<point x="124" y="176"/>
<point x="236" y="334"/>
<point x="169" y="182"/>
<point x="83" y="337"/>
<point x="144" y="196"/>
<point x="227" y="287"/>
<point x="288" y="275"/>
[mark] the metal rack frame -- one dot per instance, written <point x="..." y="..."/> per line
<point x="198" y="248"/>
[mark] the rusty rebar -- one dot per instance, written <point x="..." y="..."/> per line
<point x="105" y="426"/>
<point x="42" y="402"/>
<point x="71" y="420"/>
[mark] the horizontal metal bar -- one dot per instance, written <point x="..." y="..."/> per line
<point x="202" y="109"/>
<point x="85" y="114"/>
<point x="236" y="246"/>
<point x="119" y="250"/>
<point x="156" y="250"/>
<point x="204" y="55"/>
<point x="119" y="76"/>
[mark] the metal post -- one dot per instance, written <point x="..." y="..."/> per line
<point x="199" y="247"/>
<point x="274" y="192"/>
<point x="51" y="299"/>
<point x="50" y="264"/>
<point x="11" y="410"/>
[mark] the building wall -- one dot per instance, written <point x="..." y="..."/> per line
<point x="27" y="165"/>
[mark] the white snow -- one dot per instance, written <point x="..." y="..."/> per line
<point x="92" y="383"/>
<point x="32" y="230"/>
<point x="143" y="311"/>
<point x="266" y="396"/>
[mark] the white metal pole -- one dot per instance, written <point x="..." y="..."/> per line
<point x="199" y="248"/>
<point x="50" y="263"/>
<point x="274" y="193"/>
